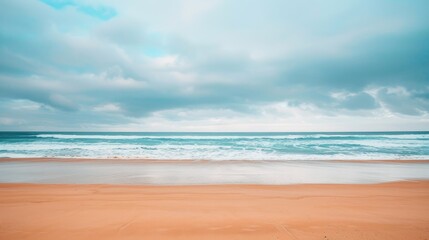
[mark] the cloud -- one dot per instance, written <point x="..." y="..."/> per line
<point x="165" y="61"/>
<point x="400" y="100"/>
<point x="109" y="107"/>
<point x="358" y="101"/>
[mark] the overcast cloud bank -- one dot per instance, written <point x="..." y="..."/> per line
<point x="214" y="65"/>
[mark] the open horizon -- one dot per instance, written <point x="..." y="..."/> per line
<point x="394" y="131"/>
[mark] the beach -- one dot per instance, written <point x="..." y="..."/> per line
<point x="214" y="186"/>
<point x="309" y="211"/>
<point x="214" y="120"/>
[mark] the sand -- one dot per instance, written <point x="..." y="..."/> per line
<point x="391" y="211"/>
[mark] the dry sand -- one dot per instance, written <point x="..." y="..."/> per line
<point x="378" y="211"/>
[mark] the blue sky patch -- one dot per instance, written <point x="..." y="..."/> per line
<point x="100" y="12"/>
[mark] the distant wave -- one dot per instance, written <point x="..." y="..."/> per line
<point x="280" y="137"/>
<point x="71" y="136"/>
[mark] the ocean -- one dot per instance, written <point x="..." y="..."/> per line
<point x="217" y="146"/>
<point x="213" y="158"/>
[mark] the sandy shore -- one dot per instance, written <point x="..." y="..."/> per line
<point x="379" y="211"/>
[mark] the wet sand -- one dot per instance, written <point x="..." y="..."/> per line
<point x="391" y="211"/>
<point x="148" y="160"/>
<point x="190" y="172"/>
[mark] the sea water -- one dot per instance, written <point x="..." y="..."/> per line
<point x="214" y="158"/>
<point x="217" y="146"/>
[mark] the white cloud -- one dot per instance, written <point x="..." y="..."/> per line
<point x="168" y="61"/>
<point x="191" y="10"/>
<point x="24" y="105"/>
<point x="109" y="107"/>
<point x="7" y="121"/>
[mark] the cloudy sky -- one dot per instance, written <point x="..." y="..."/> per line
<point x="213" y="65"/>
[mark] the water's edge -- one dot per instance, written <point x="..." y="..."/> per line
<point x="154" y="172"/>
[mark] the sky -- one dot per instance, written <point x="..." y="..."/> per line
<point x="213" y="65"/>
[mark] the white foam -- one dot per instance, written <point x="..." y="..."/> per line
<point x="236" y="147"/>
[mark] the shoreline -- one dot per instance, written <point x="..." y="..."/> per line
<point x="205" y="172"/>
<point x="144" y="160"/>
<point x="395" y="210"/>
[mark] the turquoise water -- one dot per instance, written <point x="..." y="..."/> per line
<point x="217" y="146"/>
